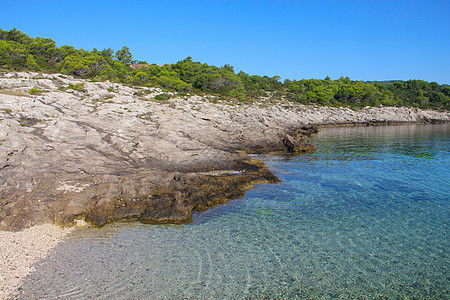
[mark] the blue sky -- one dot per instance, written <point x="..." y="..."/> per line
<point x="362" y="39"/>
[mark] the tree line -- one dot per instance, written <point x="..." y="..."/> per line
<point x="18" y="51"/>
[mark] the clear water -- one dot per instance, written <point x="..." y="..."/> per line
<point x="365" y="217"/>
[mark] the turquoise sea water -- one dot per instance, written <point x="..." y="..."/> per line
<point x="365" y="217"/>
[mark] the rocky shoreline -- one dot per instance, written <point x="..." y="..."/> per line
<point x="76" y="151"/>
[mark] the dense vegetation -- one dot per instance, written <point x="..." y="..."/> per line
<point x="18" y="51"/>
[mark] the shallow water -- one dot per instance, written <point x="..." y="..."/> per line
<point x="365" y="217"/>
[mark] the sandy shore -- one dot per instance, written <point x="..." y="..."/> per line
<point x="19" y="250"/>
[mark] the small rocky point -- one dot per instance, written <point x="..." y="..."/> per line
<point x="75" y="151"/>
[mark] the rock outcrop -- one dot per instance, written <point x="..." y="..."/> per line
<point x="100" y="151"/>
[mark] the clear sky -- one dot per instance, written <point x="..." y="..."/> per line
<point x="362" y="39"/>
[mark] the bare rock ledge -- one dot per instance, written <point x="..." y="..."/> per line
<point x="109" y="152"/>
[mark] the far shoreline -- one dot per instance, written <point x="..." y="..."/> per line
<point x="382" y="124"/>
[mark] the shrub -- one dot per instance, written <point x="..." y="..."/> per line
<point x="77" y="87"/>
<point x="162" y="97"/>
<point x="35" y="91"/>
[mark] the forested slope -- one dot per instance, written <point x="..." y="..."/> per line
<point x="18" y="51"/>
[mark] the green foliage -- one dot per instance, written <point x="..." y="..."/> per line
<point x="18" y="51"/>
<point x="77" y="86"/>
<point x="258" y="86"/>
<point x="31" y="64"/>
<point x="173" y="83"/>
<point x="13" y="55"/>
<point x="83" y="66"/>
<point x="207" y="78"/>
<point x="124" y="55"/>
<point x="344" y="91"/>
<point x="162" y="97"/>
<point x="35" y="91"/>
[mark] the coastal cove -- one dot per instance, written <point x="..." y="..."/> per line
<point x="224" y="150"/>
<point x="366" y="216"/>
<point x="107" y="152"/>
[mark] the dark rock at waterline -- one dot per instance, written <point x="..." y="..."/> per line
<point x="174" y="201"/>
<point x="150" y="196"/>
<point x="297" y="146"/>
